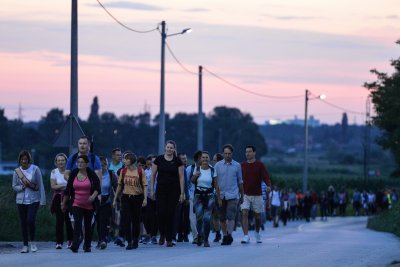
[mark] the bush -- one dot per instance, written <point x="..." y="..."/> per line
<point x="387" y="221"/>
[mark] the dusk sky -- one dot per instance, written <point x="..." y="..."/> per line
<point x="270" y="47"/>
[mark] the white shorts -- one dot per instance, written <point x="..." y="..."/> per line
<point x="255" y="203"/>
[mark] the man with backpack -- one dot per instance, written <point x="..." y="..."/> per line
<point x="83" y="149"/>
<point x="254" y="173"/>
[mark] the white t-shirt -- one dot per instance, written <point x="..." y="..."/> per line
<point x="275" y="198"/>
<point x="205" y="179"/>
<point x="58" y="177"/>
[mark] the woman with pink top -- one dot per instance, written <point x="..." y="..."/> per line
<point x="83" y="187"/>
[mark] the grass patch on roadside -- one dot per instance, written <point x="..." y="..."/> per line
<point x="387" y="221"/>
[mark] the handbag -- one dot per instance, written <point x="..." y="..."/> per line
<point x="25" y="181"/>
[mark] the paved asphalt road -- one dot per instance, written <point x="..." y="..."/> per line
<point x="337" y="242"/>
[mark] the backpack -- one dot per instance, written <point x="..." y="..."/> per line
<point x="209" y="190"/>
<point x="140" y="172"/>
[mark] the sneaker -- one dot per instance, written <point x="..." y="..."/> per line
<point x="170" y="244"/>
<point x="25" y="249"/>
<point x="103" y="245"/>
<point x="230" y="239"/>
<point x="154" y="240"/>
<point x="161" y="241"/>
<point x="199" y="241"/>
<point x="135" y="244"/>
<point x="173" y="242"/>
<point x="87" y="249"/>
<point x="74" y="250"/>
<point x="58" y="246"/>
<point x="180" y="238"/>
<point x="146" y="240"/>
<point x="69" y="245"/>
<point x="217" y="237"/>
<point x="206" y="244"/>
<point x="245" y="240"/>
<point x="194" y="240"/>
<point x="258" y="238"/>
<point x="34" y="247"/>
<point x="129" y="246"/>
<point x="119" y="242"/>
<point x="98" y="245"/>
<point x="185" y="238"/>
<point x="225" y="241"/>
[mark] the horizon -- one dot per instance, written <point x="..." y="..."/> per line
<point x="268" y="48"/>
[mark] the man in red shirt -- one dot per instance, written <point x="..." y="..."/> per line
<point x="254" y="173"/>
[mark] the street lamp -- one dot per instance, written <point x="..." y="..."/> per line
<point x="161" y="129"/>
<point x="305" y="174"/>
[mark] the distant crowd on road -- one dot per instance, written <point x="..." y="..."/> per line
<point x="161" y="200"/>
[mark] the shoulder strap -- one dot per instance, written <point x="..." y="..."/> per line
<point x="212" y="176"/>
<point x="73" y="159"/>
<point x="191" y="170"/>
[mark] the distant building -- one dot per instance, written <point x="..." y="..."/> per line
<point x="7" y="167"/>
<point x="312" y="122"/>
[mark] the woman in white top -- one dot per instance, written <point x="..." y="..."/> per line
<point x="204" y="178"/>
<point x="58" y="184"/>
<point x="28" y="184"/>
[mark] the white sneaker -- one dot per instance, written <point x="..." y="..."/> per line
<point x="258" y="238"/>
<point x="25" y="249"/>
<point x="245" y="240"/>
<point x="34" y="247"/>
<point x="58" y="246"/>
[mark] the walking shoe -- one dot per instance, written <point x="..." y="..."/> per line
<point x="103" y="245"/>
<point x="25" y="249"/>
<point x="206" y="244"/>
<point x="87" y="249"/>
<point x="230" y="239"/>
<point x="180" y="238"/>
<point x="98" y="245"/>
<point x="119" y="242"/>
<point x="245" y="240"/>
<point x="69" y="245"/>
<point x="199" y="241"/>
<point x="135" y="244"/>
<point x="173" y="242"/>
<point x="258" y="238"/>
<point x="217" y="236"/>
<point x="170" y="244"/>
<point x="58" y="246"/>
<point x="225" y="241"/>
<point x="34" y="247"/>
<point x="129" y="246"/>
<point x="161" y="241"/>
<point x="74" y="249"/>
<point x="194" y="240"/>
<point x="146" y="239"/>
<point x="185" y="238"/>
<point x="154" y="240"/>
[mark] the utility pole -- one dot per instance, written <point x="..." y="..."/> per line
<point x="200" y="114"/>
<point x="305" y="174"/>
<point x="161" y="124"/>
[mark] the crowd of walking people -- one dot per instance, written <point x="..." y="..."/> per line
<point x="162" y="200"/>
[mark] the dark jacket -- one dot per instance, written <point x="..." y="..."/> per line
<point x="94" y="185"/>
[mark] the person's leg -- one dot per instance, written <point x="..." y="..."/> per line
<point x="68" y="226"/>
<point x="127" y="210"/>
<point x="207" y="216"/>
<point x="192" y="218"/>
<point x="231" y="211"/>
<point x="245" y="207"/>
<point x="78" y="216"/>
<point x="172" y="201"/>
<point x="136" y="212"/>
<point x="59" y="219"/>
<point x="87" y="221"/>
<point x="162" y="213"/>
<point x="23" y="215"/>
<point x="199" y="210"/>
<point x="31" y="219"/>
<point x="178" y="229"/>
<point x="222" y="216"/>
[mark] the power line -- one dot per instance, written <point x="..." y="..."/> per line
<point x="248" y="91"/>
<point x="122" y="24"/>
<point x="344" y="109"/>
<point x="177" y="61"/>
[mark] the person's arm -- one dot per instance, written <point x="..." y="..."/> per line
<point x="152" y="180"/>
<point x="181" y="183"/>
<point x="266" y="176"/>
<point x="119" y="189"/>
<point x="97" y="188"/>
<point x="17" y="185"/>
<point x="144" y="183"/>
<point x="217" y="192"/>
<point x="240" y="183"/>
<point x="67" y="194"/>
<point x="194" y="177"/>
<point x="39" y="178"/>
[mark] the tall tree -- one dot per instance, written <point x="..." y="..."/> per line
<point x="345" y="126"/>
<point x="385" y="95"/>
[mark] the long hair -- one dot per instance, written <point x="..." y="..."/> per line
<point x="172" y="142"/>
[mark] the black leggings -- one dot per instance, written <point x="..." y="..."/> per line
<point x="132" y="208"/>
<point x="150" y="218"/>
<point x="103" y="221"/>
<point x="61" y="218"/>
<point x="167" y="198"/>
<point x="27" y="215"/>
<point x="87" y="216"/>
